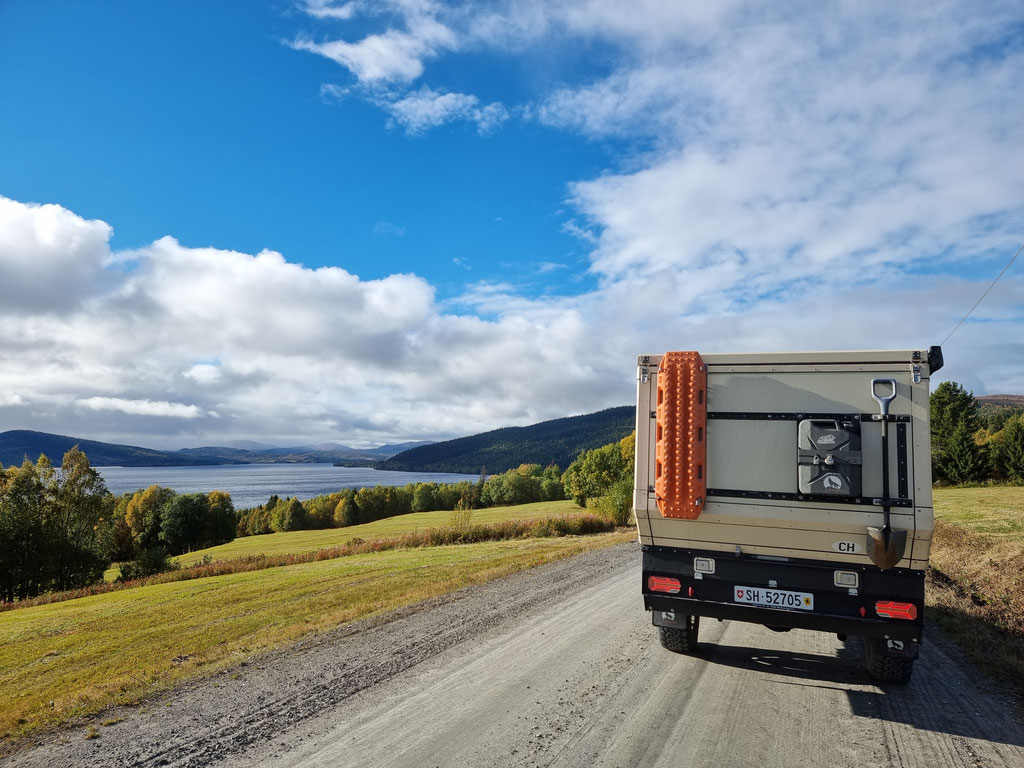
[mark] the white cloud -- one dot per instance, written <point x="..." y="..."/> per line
<point x="392" y="56"/>
<point x="426" y="108"/>
<point x="141" y="407"/>
<point x="326" y="9"/>
<point x="48" y="256"/>
<point x="204" y="373"/>
<point x="387" y="229"/>
<point x="301" y="354"/>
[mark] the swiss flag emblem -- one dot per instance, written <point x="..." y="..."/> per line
<point x="739" y="593"/>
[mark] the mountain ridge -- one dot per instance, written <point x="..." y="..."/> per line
<point x="18" y="444"/>
<point x="557" y="441"/>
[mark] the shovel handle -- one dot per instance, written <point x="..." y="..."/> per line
<point x="883" y="400"/>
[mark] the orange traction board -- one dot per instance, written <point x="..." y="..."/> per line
<point x="680" y="449"/>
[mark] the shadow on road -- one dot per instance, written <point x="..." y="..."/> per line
<point x="937" y="700"/>
<point x="845" y="666"/>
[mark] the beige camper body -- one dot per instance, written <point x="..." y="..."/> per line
<point x="759" y="455"/>
<point x="787" y="489"/>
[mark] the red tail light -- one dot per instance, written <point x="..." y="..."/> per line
<point x="893" y="610"/>
<point x="663" y="584"/>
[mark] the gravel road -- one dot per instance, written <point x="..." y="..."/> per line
<point x="559" y="666"/>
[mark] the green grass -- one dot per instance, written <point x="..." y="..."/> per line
<point x="310" y="541"/>
<point x="83" y="655"/>
<point x="992" y="510"/>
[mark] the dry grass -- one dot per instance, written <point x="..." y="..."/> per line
<point x="68" y="660"/>
<point x="976" y="576"/>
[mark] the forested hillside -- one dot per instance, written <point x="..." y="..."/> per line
<point x="18" y="444"/>
<point x="551" y="442"/>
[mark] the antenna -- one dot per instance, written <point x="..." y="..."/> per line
<point x="983" y="295"/>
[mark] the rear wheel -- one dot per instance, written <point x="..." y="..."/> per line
<point x="887" y="669"/>
<point x="680" y="639"/>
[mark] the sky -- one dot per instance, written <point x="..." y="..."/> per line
<point x="301" y="221"/>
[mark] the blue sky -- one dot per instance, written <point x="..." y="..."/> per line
<point x="200" y="121"/>
<point x="377" y="221"/>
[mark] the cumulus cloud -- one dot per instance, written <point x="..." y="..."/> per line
<point x="141" y="407"/>
<point x="183" y="345"/>
<point x="48" y="256"/>
<point x="424" y="109"/>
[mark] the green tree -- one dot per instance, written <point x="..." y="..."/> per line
<point x="288" y="515"/>
<point x="221" y="521"/>
<point x="142" y="515"/>
<point x="963" y="460"/>
<point x="183" y="522"/>
<point x="121" y="543"/>
<point x="424" y="497"/>
<point x="1009" y="450"/>
<point x="22" y="534"/>
<point x="950" y="405"/>
<point x="347" y="511"/>
<point x="78" y="502"/>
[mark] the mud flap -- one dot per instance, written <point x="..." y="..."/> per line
<point x="898" y="649"/>
<point x="670" y="619"/>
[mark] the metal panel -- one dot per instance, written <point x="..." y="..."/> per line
<point x="752" y="455"/>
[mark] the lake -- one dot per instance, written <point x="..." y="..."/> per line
<point x="252" y="484"/>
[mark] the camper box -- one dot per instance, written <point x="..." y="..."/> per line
<point x="791" y="490"/>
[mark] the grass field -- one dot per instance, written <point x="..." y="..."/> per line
<point x="976" y="581"/>
<point x="995" y="511"/>
<point x="311" y="541"/>
<point x="71" y="659"/>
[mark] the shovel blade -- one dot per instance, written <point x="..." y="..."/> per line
<point x="886" y="546"/>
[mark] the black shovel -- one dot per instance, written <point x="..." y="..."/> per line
<point x="885" y="546"/>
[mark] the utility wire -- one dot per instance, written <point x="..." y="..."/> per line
<point x="983" y="295"/>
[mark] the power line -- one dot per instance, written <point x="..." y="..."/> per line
<point x="983" y="295"/>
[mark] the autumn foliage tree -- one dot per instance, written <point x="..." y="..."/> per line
<point x="54" y="526"/>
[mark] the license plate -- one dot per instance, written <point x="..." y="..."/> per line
<point x="774" y="598"/>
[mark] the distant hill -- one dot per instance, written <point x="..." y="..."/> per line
<point x="551" y="442"/>
<point x="18" y="444"/>
<point x="1013" y="401"/>
<point x="326" y="453"/>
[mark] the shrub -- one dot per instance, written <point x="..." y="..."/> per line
<point x="151" y="560"/>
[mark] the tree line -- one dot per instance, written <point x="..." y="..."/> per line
<point x="974" y="442"/>
<point x="353" y="506"/>
<point x="60" y="528"/>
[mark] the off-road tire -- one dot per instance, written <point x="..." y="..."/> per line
<point x="887" y="669"/>
<point x="681" y="640"/>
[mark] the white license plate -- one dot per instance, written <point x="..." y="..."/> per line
<point x="774" y="598"/>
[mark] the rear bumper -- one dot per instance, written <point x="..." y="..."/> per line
<point x="835" y="608"/>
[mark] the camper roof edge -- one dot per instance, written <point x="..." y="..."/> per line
<point x="925" y="355"/>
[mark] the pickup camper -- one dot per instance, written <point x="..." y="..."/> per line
<point x="791" y="490"/>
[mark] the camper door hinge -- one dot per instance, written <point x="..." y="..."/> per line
<point x="654" y="414"/>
